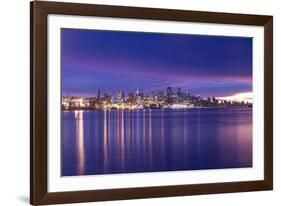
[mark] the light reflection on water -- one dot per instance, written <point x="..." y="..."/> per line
<point x="120" y="141"/>
<point x="80" y="141"/>
<point x="105" y="146"/>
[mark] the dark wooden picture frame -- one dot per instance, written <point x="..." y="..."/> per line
<point x="38" y="102"/>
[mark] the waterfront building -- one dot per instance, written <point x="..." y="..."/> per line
<point x="106" y="99"/>
<point x="120" y="97"/>
<point x="169" y="92"/>
<point x="169" y="95"/>
<point x="161" y="96"/>
<point x="179" y="95"/>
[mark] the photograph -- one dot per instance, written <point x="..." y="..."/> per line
<point x="135" y="102"/>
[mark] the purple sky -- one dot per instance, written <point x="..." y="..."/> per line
<point x="127" y="61"/>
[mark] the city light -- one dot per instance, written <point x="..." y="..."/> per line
<point x="154" y="100"/>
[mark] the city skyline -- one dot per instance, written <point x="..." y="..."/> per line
<point x="111" y="61"/>
<point x="170" y="99"/>
<point x="247" y="97"/>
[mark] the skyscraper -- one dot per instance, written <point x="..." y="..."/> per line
<point x="169" y="92"/>
<point x="120" y="97"/>
<point x="178" y="90"/>
<point x="179" y="94"/>
<point x="169" y="95"/>
<point x="98" y="97"/>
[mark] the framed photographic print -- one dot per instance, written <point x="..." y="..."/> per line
<point x="133" y="102"/>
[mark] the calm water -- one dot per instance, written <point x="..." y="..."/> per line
<point x="102" y="142"/>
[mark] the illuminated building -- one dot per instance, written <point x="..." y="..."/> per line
<point x="179" y="95"/>
<point x="169" y="95"/>
<point x="120" y="97"/>
<point x="155" y="100"/>
<point x="169" y="92"/>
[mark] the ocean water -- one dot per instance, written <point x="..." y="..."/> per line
<point x="130" y="141"/>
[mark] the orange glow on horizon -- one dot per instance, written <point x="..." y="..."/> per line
<point x="239" y="97"/>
